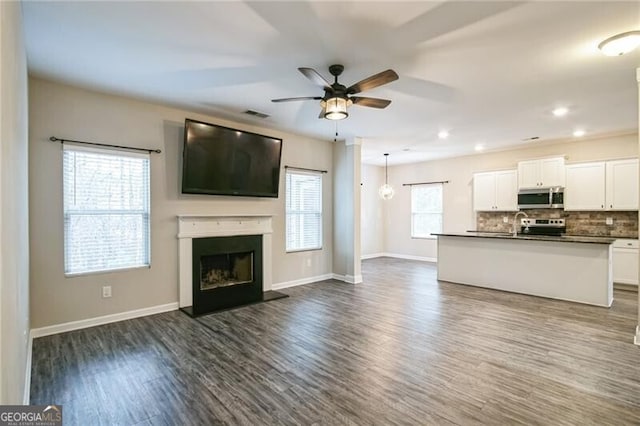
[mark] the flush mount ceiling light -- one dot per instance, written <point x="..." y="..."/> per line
<point x="443" y="134"/>
<point x="579" y="133"/>
<point x="386" y="191"/>
<point x="560" y="111"/>
<point x="620" y="44"/>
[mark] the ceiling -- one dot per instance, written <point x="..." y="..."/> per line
<point x="489" y="73"/>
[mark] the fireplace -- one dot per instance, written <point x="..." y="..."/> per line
<point x="227" y="272"/>
<point x="225" y="261"/>
<point x="223" y="270"/>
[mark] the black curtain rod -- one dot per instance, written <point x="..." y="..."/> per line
<point x="424" y="183"/>
<point x="306" y="170"/>
<point x="150" y="151"/>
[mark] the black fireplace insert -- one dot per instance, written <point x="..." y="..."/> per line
<point x="227" y="272"/>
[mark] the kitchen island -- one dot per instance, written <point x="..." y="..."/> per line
<point x="577" y="269"/>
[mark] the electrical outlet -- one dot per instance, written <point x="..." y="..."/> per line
<point x="106" y="291"/>
<point x="505" y="219"/>
<point x="609" y="221"/>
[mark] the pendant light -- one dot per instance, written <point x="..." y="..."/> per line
<point x="386" y="191"/>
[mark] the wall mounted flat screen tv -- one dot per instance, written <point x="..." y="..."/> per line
<point x="222" y="161"/>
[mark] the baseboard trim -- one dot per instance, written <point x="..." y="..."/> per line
<point x="627" y="282"/>
<point x="371" y="256"/>
<point x="625" y="287"/>
<point x="350" y="279"/>
<point x="106" y="319"/>
<point x="302" y="281"/>
<point x="636" y="339"/>
<point x="26" y="397"/>
<point x="353" y="279"/>
<point x="412" y="257"/>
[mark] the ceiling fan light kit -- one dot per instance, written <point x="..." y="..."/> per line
<point x="337" y="97"/>
<point x="386" y="191"/>
<point x="620" y="44"/>
<point x="335" y="108"/>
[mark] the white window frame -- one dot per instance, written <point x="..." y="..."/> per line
<point x="415" y="214"/>
<point x="69" y="211"/>
<point x="290" y="212"/>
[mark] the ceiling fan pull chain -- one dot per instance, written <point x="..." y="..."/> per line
<point x="335" y="139"/>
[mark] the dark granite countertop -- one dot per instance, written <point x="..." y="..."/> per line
<point x="509" y="236"/>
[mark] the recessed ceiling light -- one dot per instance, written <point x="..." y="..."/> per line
<point x="579" y="133"/>
<point x="443" y="134"/>
<point x="620" y="44"/>
<point x="560" y="111"/>
<point x="479" y="147"/>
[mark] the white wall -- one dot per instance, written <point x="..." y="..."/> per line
<point x="73" y="113"/>
<point x="372" y="215"/>
<point x="14" y="248"/>
<point x="458" y="210"/>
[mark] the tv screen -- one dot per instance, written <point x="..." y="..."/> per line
<point x="222" y="161"/>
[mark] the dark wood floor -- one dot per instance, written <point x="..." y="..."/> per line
<point x="400" y="348"/>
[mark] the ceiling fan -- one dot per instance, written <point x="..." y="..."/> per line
<point x="338" y="97"/>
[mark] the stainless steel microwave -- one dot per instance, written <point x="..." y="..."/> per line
<point x="547" y="198"/>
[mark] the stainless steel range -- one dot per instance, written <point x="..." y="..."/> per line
<point x="531" y="226"/>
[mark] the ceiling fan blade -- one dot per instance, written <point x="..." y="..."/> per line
<point x="304" y="98"/>
<point x="370" y="102"/>
<point x="314" y="76"/>
<point x="322" y="113"/>
<point x="376" y="80"/>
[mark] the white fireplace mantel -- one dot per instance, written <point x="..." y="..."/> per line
<point x="204" y="226"/>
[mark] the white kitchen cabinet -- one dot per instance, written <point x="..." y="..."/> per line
<point x="495" y="191"/>
<point x="529" y="174"/>
<point x="585" y="186"/>
<point x="610" y="185"/>
<point x="507" y="190"/>
<point x="484" y="191"/>
<point x="622" y="185"/>
<point x="543" y="173"/>
<point x="625" y="262"/>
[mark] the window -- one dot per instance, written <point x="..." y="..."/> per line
<point x="106" y="210"/>
<point x="303" y="210"/>
<point x="426" y="210"/>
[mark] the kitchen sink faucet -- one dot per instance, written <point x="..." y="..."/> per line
<point x="515" y="222"/>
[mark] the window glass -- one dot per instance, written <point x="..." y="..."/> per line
<point x="106" y="210"/>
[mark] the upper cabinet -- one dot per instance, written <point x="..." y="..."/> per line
<point x="622" y="185"/>
<point x="495" y="191"/>
<point x="585" y="188"/>
<point x="543" y="173"/>
<point x="610" y="185"/>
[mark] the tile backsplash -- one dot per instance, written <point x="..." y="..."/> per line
<point x="625" y="224"/>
